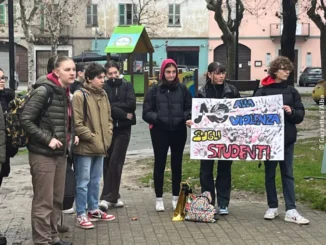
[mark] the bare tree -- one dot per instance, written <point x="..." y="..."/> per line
<point x="228" y="28"/>
<point x="146" y="13"/>
<point x="28" y="12"/>
<point x="59" y="14"/>
<point x="288" y="36"/>
<point x="317" y="13"/>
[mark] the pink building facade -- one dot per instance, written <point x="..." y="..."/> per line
<point x="259" y="43"/>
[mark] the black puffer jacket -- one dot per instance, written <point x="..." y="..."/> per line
<point x="167" y="106"/>
<point x="6" y="96"/>
<point x="2" y="139"/>
<point x="229" y="91"/>
<point x="292" y="98"/>
<point x="122" y="100"/>
<point x="52" y="125"/>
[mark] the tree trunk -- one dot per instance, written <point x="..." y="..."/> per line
<point x="289" y="34"/>
<point x="31" y="69"/>
<point x="323" y="50"/>
<point x="230" y="57"/>
<point x="54" y="46"/>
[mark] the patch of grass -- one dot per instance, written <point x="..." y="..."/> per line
<point x="247" y="176"/>
<point x="24" y="92"/>
<point x="22" y="152"/>
<point x="305" y="94"/>
<point x="140" y="98"/>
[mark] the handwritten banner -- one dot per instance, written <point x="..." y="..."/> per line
<point x="238" y="129"/>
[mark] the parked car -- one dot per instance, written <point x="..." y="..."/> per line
<point x="184" y="68"/>
<point x="310" y="75"/>
<point x="155" y="68"/>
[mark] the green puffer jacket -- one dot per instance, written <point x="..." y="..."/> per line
<point x="52" y="125"/>
<point x="2" y="139"/>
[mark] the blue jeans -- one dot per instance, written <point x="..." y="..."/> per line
<point x="88" y="171"/>
<point x="286" y="167"/>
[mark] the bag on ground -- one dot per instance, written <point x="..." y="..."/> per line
<point x="199" y="209"/>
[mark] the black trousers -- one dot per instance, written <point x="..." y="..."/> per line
<point x="163" y="140"/>
<point x="222" y="183"/>
<point x="113" y="164"/>
<point x="5" y="169"/>
<point x="286" y="168"/>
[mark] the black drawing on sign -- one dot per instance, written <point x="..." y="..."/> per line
<point x="218" y="113"/>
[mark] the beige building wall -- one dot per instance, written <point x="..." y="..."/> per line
<point x="261" y="34"/>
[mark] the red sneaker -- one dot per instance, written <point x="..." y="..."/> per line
<point x="83" y="222"/>
<point x="100" y="215"/>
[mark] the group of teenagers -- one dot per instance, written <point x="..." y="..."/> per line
<point x="90" y="119"/>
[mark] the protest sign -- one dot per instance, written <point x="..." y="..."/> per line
<point x="238" y="129"/>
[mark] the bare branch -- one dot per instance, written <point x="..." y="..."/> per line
<point x="314" y="16"/>
<point x="323" y="7"/>
<point x="34" y="9"/>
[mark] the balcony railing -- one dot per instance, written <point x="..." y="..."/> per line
<point x="303" y="30"/>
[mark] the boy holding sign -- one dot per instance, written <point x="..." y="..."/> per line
<point x="273" y="84"/>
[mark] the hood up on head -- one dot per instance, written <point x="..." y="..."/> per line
<point x="164" y="64"/>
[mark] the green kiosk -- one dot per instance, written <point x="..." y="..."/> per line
<point x="130" y="40"/>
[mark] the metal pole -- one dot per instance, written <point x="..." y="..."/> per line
<point x="11" y="44"/>
<point x="236" y="63"/>
<point x="146" y="83"/>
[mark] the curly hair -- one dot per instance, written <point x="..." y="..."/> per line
<point x="280" y="62"/>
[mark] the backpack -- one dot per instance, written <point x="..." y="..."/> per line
<point x="16" y="135"/>
<point x="199" y="209"/>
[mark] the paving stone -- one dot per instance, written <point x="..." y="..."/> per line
<point x="244" y="225"/>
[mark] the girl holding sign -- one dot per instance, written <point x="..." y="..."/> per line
<point x="273" y="84"/>
<point x="217" y="88"/>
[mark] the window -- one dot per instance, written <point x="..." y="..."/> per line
<point x="128" y="14"/>
<point x="174" y="14"/>
<point x="2" y="14"/>
<point x="314" y="71"/>
<point x="92" y="15"/>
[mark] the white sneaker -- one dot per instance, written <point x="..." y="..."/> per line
<point x="174" y="201"/>
<point x="292" y="215"/>
<point x="159" y="204"/>
<point x="69" y="211"/>
<point x="271" y="213"/>
<point x="119" y="204"/>
<point x="104" y="205"/>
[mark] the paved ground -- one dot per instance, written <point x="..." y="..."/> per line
<point x="244" y="225"/>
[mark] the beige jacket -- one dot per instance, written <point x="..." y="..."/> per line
<point x="95" y="136"/>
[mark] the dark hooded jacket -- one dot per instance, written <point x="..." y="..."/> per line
<point x="167" y="105"/>
<point x="53" y="124"/>
<point x="2" y="139"/>
<point x="122" y="100"/>
<point x="292" y="98"/>
<point x="218" y="91"/>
